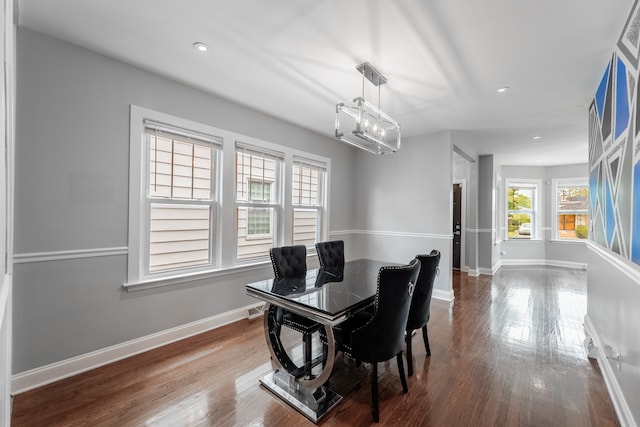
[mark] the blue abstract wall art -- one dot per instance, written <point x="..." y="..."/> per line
<point x="614" y="148"/>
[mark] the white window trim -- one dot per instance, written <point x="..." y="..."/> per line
<point x="224" y="243"/>
<point x="322" y="232"/>
<point x="276" y="191"/>
<point x="138" y="227"/>
<point x="537" y="209"/>
<point x="577" y="181"/>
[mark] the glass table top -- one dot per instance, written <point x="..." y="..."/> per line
<point x="322" y="292"/>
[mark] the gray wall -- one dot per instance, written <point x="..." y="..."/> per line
<point x="486" y="214"/>
<point x="405" y="205"/>
<point x="72" y="194"/>
<point x="72" y="162"/>
<point x="613" y="296"/>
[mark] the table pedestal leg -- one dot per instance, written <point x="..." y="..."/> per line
<point x="307" y="395"/>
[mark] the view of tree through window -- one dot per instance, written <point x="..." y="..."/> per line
<point x="521" y="211"/>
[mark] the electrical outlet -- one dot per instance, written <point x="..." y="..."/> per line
<point x="614" y="356"/>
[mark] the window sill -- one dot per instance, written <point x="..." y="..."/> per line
<point x="191" y="277"/>
<point x="523" y="240"/>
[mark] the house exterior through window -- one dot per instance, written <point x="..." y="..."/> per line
<point x="178" y="228"/>
<point x="571" y="209"/>
<point x="258" y="201"/>
<point x="308" y="200"/>
<point x="180" y="199"/>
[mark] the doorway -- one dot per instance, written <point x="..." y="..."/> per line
<point x="457" y="226"/>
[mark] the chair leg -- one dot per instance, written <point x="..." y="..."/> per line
<point x="426" y="340"/>
<point x="403" y="379"/>
<point x="374" y="392"/>
<point x="307" y="352"/>
<point x="325" y="354"/>
<point x="409" y="354"/>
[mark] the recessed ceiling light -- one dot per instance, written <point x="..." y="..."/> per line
<point x="503" y="89"/>
<point x="200" y="47"/>
<point x="536" y="137"/>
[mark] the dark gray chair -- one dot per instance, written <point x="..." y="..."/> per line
<point x="421" y="303"/>
<point x="331" y="256"/>
<point x="378" y="336"/>
<point x="290" y="262"/>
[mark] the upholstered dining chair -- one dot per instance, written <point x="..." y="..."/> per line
<point x="290" y="262"/>
<point x="421" y="303"/>
<point x="377" y="336"/>
<point x="331" y="256"/>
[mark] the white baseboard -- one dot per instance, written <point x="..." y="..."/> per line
<point x="625" y="417"/>
<point x="443" y="295"/>
<point x="473" y="272"/>
<point x="544" y="262"/>
<point x="47" y="374"/>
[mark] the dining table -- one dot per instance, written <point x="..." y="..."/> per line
<point x="326" y="297"/>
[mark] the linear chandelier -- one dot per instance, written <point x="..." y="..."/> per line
<point x="362" y="124"/>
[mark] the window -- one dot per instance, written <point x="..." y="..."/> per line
<point x="173" y="202"/>
<point x="571" y="219"/>
<point x="258" y="181"/>
<point x="179" y="229"/>
<point x="308" y="200"/>
<point x="258" y="219"/>
<point x="180" y="199"/>
<point x="522" y="214"/>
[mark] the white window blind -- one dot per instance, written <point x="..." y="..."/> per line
<point x="308" y="181"/>
<point x="258" y="200"/>
<point x="180" y="197"/>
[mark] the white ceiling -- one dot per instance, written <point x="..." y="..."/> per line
<point x="444" y="60"/>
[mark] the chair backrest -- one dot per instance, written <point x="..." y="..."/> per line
<point x="331" y="256"/>
<point x="382" y="337"/>
<point x="421" y="301"/>
<point x="289" y="261"/>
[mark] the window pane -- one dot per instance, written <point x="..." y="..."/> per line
<point x="305" y="226"/>
<point x="255" y="173"/>
<point x="573" y="198"/>
<point x="178" y="169"/>
<point x="521" y="198"/>
<point x="258" y="221"/>
<point x="179" y="236"/>
<point x="519" y="226"/>
<point x="521" y="205"/>
<point x="259" y="191"/>
<point x="573" y="211"/>
<point x="255" y="231"/>
<point x="306" y="183"/>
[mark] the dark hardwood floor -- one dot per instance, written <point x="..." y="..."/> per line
<point x="507" y="352"/>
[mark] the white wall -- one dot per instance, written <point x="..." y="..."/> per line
<point x="72" y="162"/>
